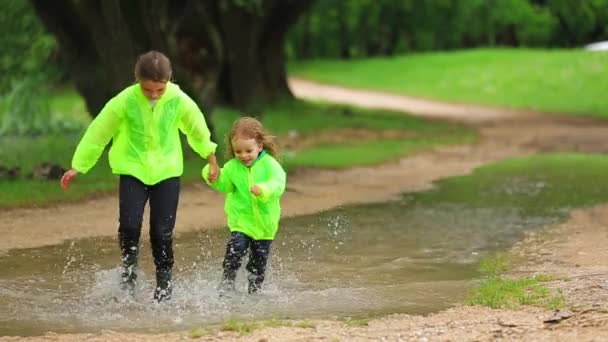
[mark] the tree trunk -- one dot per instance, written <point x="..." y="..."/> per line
<point x="220" y="50"/>
<point x="272" y="45"/>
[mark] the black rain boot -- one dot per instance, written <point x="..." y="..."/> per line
<point x="255" y="283"/>
<point x="227" y="286"/>
<point x="164" y="286"/>
<point x="128" y="277"/>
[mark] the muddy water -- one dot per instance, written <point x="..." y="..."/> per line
<point x="401" y="256"/>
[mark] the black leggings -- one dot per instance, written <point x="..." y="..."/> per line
<point x="237" y="248"/>
<point x="163" y="196"/>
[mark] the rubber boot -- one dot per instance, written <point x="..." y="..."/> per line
<point x="164" y="286"/>
<point x="255" y="283"/>
<point x="227" y="286"/>
<point x="128" y="277"/>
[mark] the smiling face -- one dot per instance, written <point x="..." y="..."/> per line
<point x="246" y="149"/>
<point x="153" y="90"/>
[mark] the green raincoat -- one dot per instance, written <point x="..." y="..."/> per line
<point x="146" y="142"/>
<point x="254" y="216"/>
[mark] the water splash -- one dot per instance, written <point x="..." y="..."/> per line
<point x="379" y="258"/>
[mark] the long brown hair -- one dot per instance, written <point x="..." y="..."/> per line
<point x="251" y="128"/>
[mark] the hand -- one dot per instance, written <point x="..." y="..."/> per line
<point x="67" y="178"/>
<point x="255" y="190"/>
<point x="214" y="172"/>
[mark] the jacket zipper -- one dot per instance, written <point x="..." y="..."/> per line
<point x="256" y="210"/>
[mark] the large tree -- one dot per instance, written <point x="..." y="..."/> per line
<point x="229" y="51"/>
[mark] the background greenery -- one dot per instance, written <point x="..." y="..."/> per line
<point x="300" y="118"/>
<point x="412" y="47"/>
<point x="569" y="81"/>
<point x="364" y="28"/>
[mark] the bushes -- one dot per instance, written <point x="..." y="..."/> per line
<point x="361" y="28"/>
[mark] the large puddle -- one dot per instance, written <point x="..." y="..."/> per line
<point x="397" y="257"/>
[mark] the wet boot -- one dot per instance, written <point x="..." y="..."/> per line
<point x="128" y="277"/>
<point x="255" y="283"/>
<point x="164" y="286"/>
<point x="227" y="286"/>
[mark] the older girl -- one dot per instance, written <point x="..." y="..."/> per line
<point x="143" y="121"/>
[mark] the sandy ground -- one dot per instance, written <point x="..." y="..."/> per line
<point x="576" y="250"/>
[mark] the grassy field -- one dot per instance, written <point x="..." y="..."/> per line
<point x="566" y="81"/>
<point x="297" y="122"/>
<point x="536" y="184"/>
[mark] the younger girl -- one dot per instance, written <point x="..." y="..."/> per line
<point x="253" y="182"/>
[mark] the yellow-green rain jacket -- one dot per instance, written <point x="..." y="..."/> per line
<point x="146" y="142"/>
<point x="254" y="216"/>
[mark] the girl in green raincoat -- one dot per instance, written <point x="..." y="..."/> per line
<point x="143" y="121"/>
<point x="253" y="181"/>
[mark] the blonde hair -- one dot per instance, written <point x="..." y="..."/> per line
<point x="250" y="128"/>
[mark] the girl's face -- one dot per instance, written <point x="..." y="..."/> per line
<point x="246" y="150"/>
<point x="153" y="90"/>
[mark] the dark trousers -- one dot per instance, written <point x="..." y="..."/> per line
<point x="237" y="247"/>
<point x="163" y="196"/>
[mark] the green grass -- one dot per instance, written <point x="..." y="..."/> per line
<point x="307" y="119"/>
<point x="243" y="328"/>
<point x="566" y="81"/>
<point x="67" y="105"/>
<point x="199" y="332"/>
<point x="247" y="327"/>
<point x="357" y="322"/>
<point x="368" y="153"/>
<point x="311" y="118"/>
<point x="536" y="184"/>
<point x="501" y="293"/>
<point x="498" y="291"/>
<point x="305" y="325"/>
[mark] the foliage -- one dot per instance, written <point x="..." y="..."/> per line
<point x="228" y="51"/>
<point x="579" y="21"/>
<point x="362" y="28"/>
<point x="563" y="81"/>
<point x="27" y="50"/>
<point x="28" y="66"/>
<point x="251" y="6"/>
<point x="26" y="110"/>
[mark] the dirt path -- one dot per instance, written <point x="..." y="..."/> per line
<point x="505" y="133"/>
<point x="373" y="99"/>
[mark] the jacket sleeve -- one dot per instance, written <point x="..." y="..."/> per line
<point x="275" y="186"/>
<point x="97" y="136"/>
<point x="223" y="183"/>
<point x="193" y="125"/>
